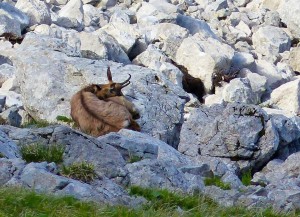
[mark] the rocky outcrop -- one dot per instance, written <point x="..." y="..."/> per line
<point x="215" y="82"/>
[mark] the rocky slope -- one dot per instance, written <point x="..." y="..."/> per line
<point x="216" y="83"/>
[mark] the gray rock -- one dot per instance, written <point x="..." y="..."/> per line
<point x="286" y="97"/>
<point x="14" y="14"/>
<point x="91" y="15"/>
<point x="37" y="11"/>
<point x="9" y="27"/>
<point x="8" y="148"/>
<point x="6" y="72"/>
<point x="131" y="147"/>
<point x="288" y="11"/>
<point x="160" y="12"/>
<point x="195" y="26"/>
<point x="159" y="174"/>
<point x="125" y="34"/>
<point x="293" y="59"/>
<point x="71" y="15"/>
<point x="160" y="102"/>
<point x="36" y="42"/>
<point x="164" y="151"/>
<point x="11" y="117"/>
<point x="238" y="131"/>
<point x="270" y="41"/>
<point x="239" y="90"/>
<point x="42" y="178"/>
<point x="92" y="46"/>
<point x="9" y="168"/>
<point x="204" y="58"/>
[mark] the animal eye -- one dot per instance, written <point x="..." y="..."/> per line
<point x="111" y="90"/>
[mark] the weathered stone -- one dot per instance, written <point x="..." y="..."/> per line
<point x="124" y="33"/>
<point x="204" y="58"/>
<point x="270" y="41"/>
<point x="71" y="15"/>
<point x="294" y="59"/>
<point x="11" y="117"/>
<point x="161" y="12"/>
<point x="158" y="174"/>
<point x="195" y="26"/>
<point x="9" y="168"/>
<point x="164" y="151"/>
<point x="12" y="98"/>
<point x="38" y="11"/>
<point x="91" y="15"/>
<point x="6" y="71"/>
<point x="238" y="131"/>
<point x="288" y="11"/>
<point x="18" y="17"/>
<point x="239" y="90"/>
<point x="8" y="148"/>
<point x="287" y="97"/>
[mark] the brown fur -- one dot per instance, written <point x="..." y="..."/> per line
<point x="101" y="108"/>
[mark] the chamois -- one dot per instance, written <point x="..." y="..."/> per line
<point x="102" y="108"/>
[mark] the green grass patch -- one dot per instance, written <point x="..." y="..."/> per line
<point x="133" y="158"/>
<point x="64" y="119"/>
<point x="20" y="202"/>
<point x="36" y="124"/>
<point x="37" y="152"/>
<point x="247" y="177"/>
<point x="216" y="180"/>
<point x="82" y="171"/>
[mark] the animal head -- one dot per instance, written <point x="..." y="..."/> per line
<point x="104" y="91"/>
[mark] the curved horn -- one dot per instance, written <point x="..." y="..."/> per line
<point x="126" y="80"/>
<point x="109" y="77"/>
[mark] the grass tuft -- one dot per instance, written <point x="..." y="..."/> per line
<point x="81" y="171"/>
<point x="64" y="119"/>
<point x="216" y="180"/>
<point x="36" y="124"/>
<point x="37" y="152"/>
<point x="247" y="177"/>
<point x="21" y="202"/>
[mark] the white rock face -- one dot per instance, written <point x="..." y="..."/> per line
<point x="159" y="12"/>
<point x="15" y="14"/>
<point x="270" y="41"/>
<point x="294" y="59"/>
<point x="38" y="11"/>
<point x="289" y="12"/>
<point x="125" y="34"/>
<point x="92" y="47"/>
<point x="239" y="90"/>
<point x="287" y="97"/>
<point x="202" y="58"/>
<point x="71" y="15"/>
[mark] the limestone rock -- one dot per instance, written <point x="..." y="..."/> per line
<point x="286" y="97"/>
<point x="204" y="58"/>
<point x="71" y="15"/>
<point x="37" y="11"/>
<point x="288" y="11"/>
<point x="270" y="41"/>
<point x="237" y="131"/>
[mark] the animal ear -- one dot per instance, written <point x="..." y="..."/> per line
<point x="109" y="77"/>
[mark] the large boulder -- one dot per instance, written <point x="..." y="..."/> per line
<point x="287" y="97"/>
<point x="15" y="14"/>
<point x="48" y="87"/>
<point x="270" y="41"/>
<point x="288" y="11"/>
<point x="239" y="132"/>
<point x="204" y="58"/>
<point x="71" y="15"/>
<point x="37" y="11"/>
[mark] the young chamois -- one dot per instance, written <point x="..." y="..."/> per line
<point x="101" y="108"/>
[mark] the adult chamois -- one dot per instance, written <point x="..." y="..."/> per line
<point x="102" y="108"/>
